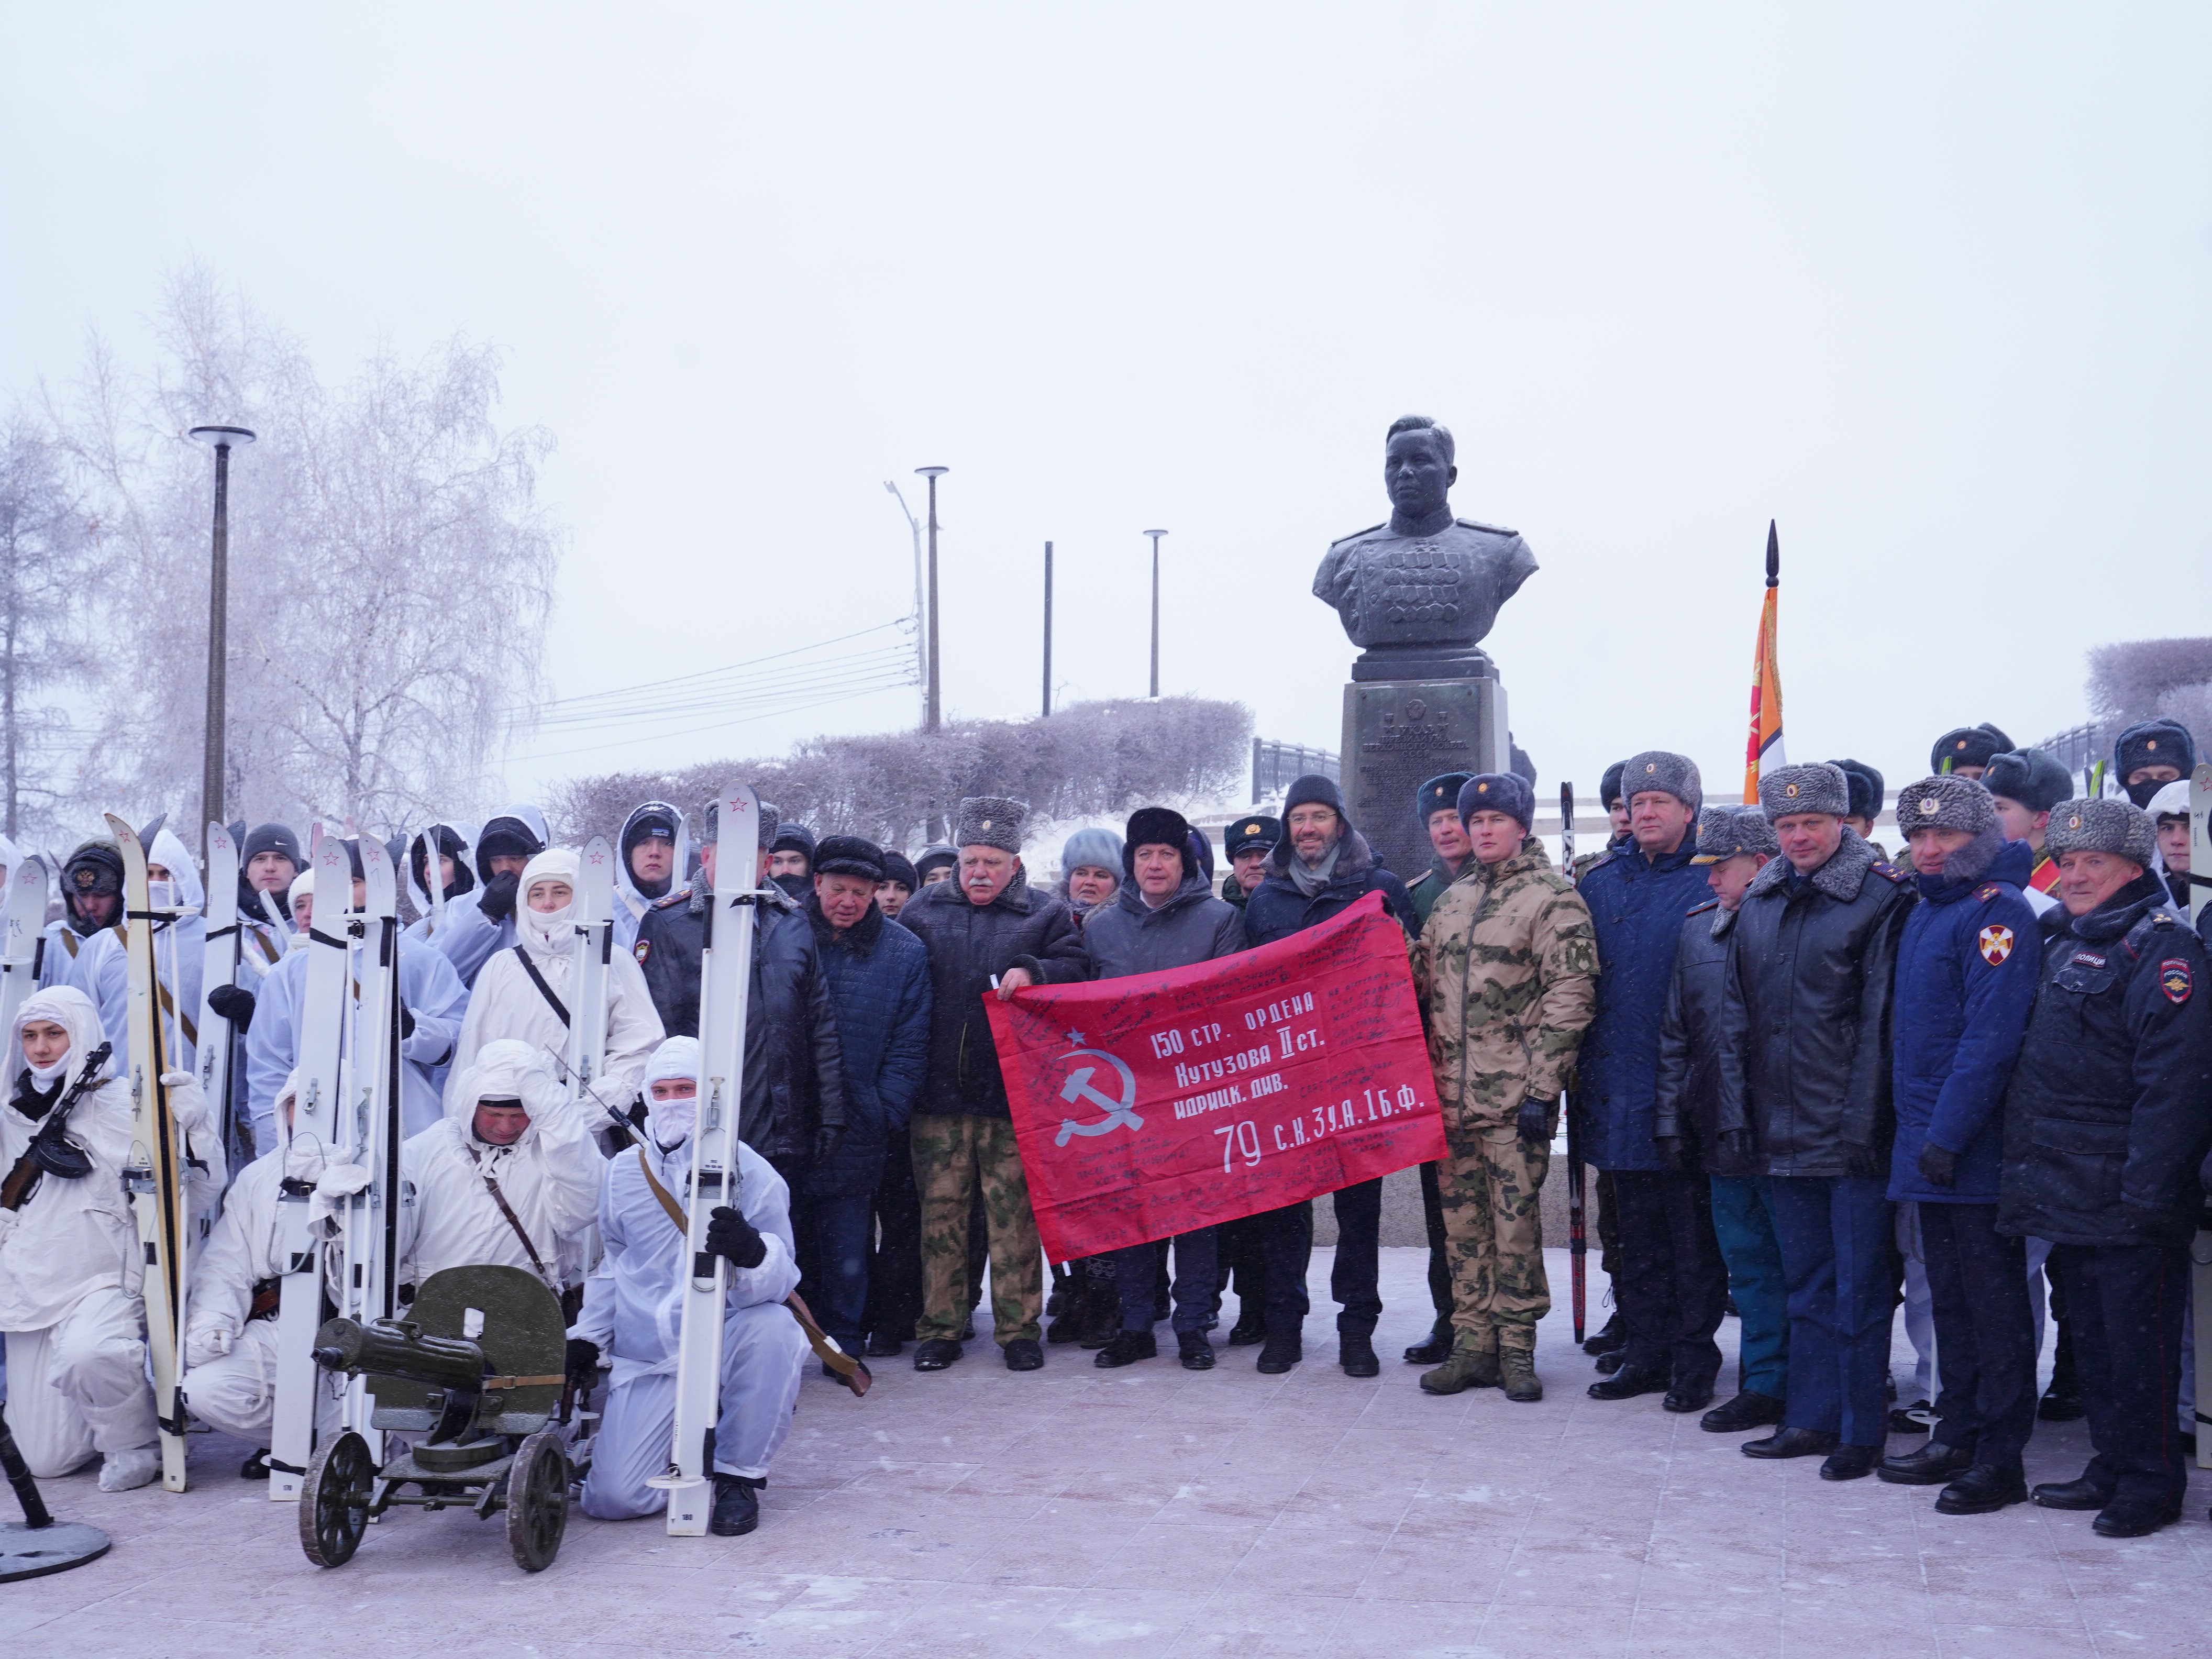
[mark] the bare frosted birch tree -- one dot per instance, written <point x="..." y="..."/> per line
<point x="392" y="569"/>
<point x="46" y="570"/>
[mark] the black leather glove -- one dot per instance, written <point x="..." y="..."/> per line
<point x="1530" y="1122"/>
<point x="582" y="1364"/>
<point x="498" y="901"/>
<point x="733" y="1238"/>
<point x="235" y="1003"/>
<point x="1937" y="1165"/>
<point x="1671" y="1153"/>
<point x="406" y="1023"/>
<point x="825" y="1143"/>
<point x="1860" y="1162"/>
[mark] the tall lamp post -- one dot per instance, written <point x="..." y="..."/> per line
<point x="222" y="440"/>
<point x="1156" y="535"/>
<point x="933" y="711"/>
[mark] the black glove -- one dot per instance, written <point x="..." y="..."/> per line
<point x="1937" y="1165"/>
<point x="1530" y="1122"/>
<point x="825" y="1143"/>
<point x="1860" y="1162"/>
<point x="582" y="1364"/>
<point x="733" y="1238"/>
<point x="406" y="1023"/>
<point x="1671" y="1153"/>
<point x="235" y="1003"/>
<point x="498" y="901"/>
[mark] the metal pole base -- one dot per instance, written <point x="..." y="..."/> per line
<point x="31" y="1552"/>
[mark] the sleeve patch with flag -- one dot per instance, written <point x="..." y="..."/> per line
<point x="2175" y="979"/>
<point x="1997" y="942"/>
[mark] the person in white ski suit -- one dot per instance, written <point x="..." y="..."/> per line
<point x="548" y="1174"/>
<point x="230" y="1325"/>
<point x="473" y="933"/>
<point x="102" y="969"/>
<point x="632" y="1313"/>
<point x="71" y="1265"/>
<point x="656" y="829"/>
<point x="431" y="1002"/>
<point x="507" y="1002"/>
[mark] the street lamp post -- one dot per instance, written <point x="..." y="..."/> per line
<point x="1156" y="535"/>
<point x="1047" y="631"/>
<point x="221" y="440"/>
<point x="933" y="710"/>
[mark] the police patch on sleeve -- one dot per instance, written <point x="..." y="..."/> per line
<point x="2175" y="979"/>
<point x="1996" y="943"/>
<point x="643" y="949"/>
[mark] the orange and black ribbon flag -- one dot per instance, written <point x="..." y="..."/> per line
<point x="1764" y="747"/>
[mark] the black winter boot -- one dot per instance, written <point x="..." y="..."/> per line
<point x="737" y="1511"/>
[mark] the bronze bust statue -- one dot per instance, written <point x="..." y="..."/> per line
<point x="1419" y="593"/>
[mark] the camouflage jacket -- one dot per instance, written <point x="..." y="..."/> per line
<point x="1506" y="969"/>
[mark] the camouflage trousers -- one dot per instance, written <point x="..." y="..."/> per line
<point x="1489" y="1183"/>
<point x="954" y="1156"/>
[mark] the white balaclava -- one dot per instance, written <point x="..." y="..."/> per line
<point x="670" y="1122"/>
<point x="70" y="1009"/>
<point x="548" y="932"/>
<point x="303" y="886"/>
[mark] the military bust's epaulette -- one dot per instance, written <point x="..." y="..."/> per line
<point x="1884" y="867"/>
<point x="1357" y="534"/>
<point x="674" y="896"/>
<point x="1599" y="861"/>
<point x="1988" y="890"/>
<point x="1700" y="909"/>
<point x="1487" y="529"/>
<point x="1425" y="875"/>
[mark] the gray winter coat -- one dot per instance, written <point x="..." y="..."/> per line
<point x="1126" y="936"/>
<point x="1812" y="966"/>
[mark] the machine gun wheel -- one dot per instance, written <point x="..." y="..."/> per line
<point x="335" y="1512"/>
<point x="538" y="1500"/>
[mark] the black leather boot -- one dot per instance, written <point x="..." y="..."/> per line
<point x="1932" y="1465"/>
<point x="737" y="1511"/>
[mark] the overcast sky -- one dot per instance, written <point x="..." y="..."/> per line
<point x="1926" y="284"/>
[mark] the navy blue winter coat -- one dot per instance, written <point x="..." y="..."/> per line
<point x="1276" y="909"/>
<point x="1638" y="905"/>
<point x="1966" y="971"/>
<point x="878" y="975"/>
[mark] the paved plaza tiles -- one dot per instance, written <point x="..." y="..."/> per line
<point x="1155" y="1512"/>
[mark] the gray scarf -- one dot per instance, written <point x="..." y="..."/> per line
<point x="1310" y="881"/>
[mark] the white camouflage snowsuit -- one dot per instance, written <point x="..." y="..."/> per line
<point x="632" y="1310"/>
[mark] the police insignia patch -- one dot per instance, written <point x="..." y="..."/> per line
<point x="2174" y="978"/>
<point x="1996" y="943"/>
<point x="642" y="950"/>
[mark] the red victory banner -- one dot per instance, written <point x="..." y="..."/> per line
<point x="1165" y="1102"/>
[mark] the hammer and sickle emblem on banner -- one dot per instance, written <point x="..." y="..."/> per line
<point x="1078" y="1087"/>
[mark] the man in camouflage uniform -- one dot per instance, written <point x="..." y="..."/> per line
<point x="1507" y="974"/>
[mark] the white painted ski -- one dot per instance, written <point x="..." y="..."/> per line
<point x="323" y="1008"/>
<point x="24" y="924"/>
<point x="154" y="1177"/>
<point x="725" y="977"/>
<point x="218" y="1050"/>
<point x="587" y="982"/>
<point x="367" y="1242"/>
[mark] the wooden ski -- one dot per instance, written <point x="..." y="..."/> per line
<point x="22" y="927"/>
<point x="154" y="1177"/>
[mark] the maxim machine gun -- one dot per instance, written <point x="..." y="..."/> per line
<point x="473" y="1377"/>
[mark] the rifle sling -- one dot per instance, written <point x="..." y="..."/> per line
<point x="850" y="1372"/>
<point x="544" y="989"/>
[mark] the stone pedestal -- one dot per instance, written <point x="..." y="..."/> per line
<point x="1400" y="733"/>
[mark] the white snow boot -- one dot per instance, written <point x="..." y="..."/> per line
<point x="120" y="1471"/>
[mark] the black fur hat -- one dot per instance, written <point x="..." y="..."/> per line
<point x="848" y="855"/>
<point x="1866" y="788"/>
<point x="1967" y="745"/>
<point x="1155" y="826"/>
<point x="2035" y="778"/>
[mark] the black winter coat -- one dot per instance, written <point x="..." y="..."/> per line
<point x="968" y="944"/>
<point x="1805" y="1014"/>
<point x="794" y="1075"/>
<point x="1126" y="936"/>
<point x="2110" y="1110"/>
<point x="1276" y="909"/>
<point x="1690" y="1053"/>
<point x="878" y="975"/>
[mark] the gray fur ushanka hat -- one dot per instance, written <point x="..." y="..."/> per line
<point x="2102" y="826"/>
<point x="1946" y="801"/>
<point x="991" y="821"/>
